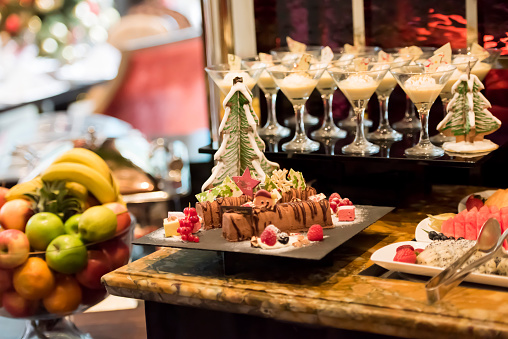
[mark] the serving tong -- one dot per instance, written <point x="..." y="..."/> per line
<point x="490" y="241"/>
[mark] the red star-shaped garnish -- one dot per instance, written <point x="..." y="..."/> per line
<point x="246" y="183"/>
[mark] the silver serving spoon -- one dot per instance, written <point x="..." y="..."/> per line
<point x="488" y="241"/>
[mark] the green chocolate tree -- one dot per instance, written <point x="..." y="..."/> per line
<point x="241" y="146"/>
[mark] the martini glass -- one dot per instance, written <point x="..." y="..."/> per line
<point x="423" y="88"/>
<point x="461" y="62"/>
<point x="223" y="76"/>
<point x="272" y="128"/>
<point x="410" y="122"/>
<point x="327" y="86"/>
<point x="385" y="132"/>
<point x="358" y="87"/>
<point x="297" y="85"/>
<point x="484" y="63"/>
<point x="287" y="57"/>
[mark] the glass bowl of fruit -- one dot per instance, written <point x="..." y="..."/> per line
<point x="57" y="239"/>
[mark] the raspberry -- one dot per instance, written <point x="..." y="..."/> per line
<point x="405" y="246"/>
<point x="315" y="233"/>
<point x="269" y="236"/>
<point x="406" y="255"/>
<point x="333" y="196"/>
<point x="333" y="206"/>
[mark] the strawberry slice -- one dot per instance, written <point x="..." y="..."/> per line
<point x="474" y="201"/>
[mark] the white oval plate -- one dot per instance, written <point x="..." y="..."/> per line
<point x="420" y="234"/>
<point x="384" y="258"/>
<point x="484" y="194"/>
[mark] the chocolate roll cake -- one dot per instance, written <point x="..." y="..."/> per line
<point x="288" y="217"/>
<point x="297" y="194"/>
<point x="210" y="212"/>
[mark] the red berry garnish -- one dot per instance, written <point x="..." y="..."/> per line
<point x="188" y="230"/>
<point x="186" y="211"/>
<point x="333" y="196"/>
<point x="187" y="223"/>
<point x="196" y="239"/>
<point x="194" y="219"/>
<point x="181" y="222"/>
<point x="184" y="237"/>
<point x="333" y="206"/>
<point x="402" y="247"/>
<point x="269" y="237"/>
<point x="315" y="233"/>
<point x="190" y="238"/>
<point x="193" y="211"/>
<point x="179" y="230"/>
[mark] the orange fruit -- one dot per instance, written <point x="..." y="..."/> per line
<point x="33" y="280"/>
<point x="65" y="297"/>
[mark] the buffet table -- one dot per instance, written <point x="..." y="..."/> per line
<point x="187" y="294"/>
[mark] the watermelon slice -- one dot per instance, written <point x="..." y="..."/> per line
<point x="459" y="226"/>
<point x="504" y="223"/>
<point x="484" y="209"/>
<point x="504" y="210"/>
<point x="496" y="215"/>
<point x="480" y="220"/>
<point x="447" y="227"/>
<point x="494" y="209"/>
<point x="470" y="226"/>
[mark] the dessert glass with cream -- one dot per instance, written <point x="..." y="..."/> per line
<point x="285" y="56"/>
<point x="384" y="131"/>
<point x="485" y="60"/>
<point x="423" y="88"/>
<point x="461" y="61"/>
<point x="272" y="129"/>
<point x="410" y="122"/>
<point x="222" y="75"/>
<point x="326" y="87"/>
<point x="358" y="86"/>
<point x="297" y="85"/>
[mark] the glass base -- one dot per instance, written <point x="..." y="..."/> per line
<point x="408" y="124"/>
<point x="384" y="134"/>
<point x="60" y="328"/>
<point x="300" y="144"/>
<point x="308" y="120"/>
<point x="439" y="139"/>
<point x="361" y="147"/>
<point x="426" y="150"/>
<point x="274" y="130"/>
<point x="328" y="132"/>
<point x="349" y="123"/>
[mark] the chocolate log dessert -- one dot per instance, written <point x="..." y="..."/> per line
<point x="288" y="217"/>
<point x="211" y="214"/>
<point x="297" y="194"/>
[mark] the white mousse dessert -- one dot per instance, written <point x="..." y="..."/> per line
<point x="387" y="84"/>
<point x="326" y="84"/>
<point x="481" y="69"/>
<point x="297" y="87"/>
<point x="226" y="83"/>
<point x="422" y="89"/>
<point x="358" y="87"/>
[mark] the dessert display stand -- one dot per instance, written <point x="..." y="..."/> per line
<point x="240" y="256"/>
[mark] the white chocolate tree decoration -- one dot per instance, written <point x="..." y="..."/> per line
<point x="468" y="118"/>
<point x="241" y="146"/>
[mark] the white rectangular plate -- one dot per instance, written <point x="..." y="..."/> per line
<point x="384" y="258"/>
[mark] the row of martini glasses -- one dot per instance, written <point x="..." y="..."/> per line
<point x="358" y="86"/>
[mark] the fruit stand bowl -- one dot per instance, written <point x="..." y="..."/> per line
<point x="46" y="297"/>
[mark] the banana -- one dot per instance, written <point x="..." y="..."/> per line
<point x="18" y="191"/>
<point x="88" y="158"/>
<point x="94" y="182"/>
<point x="77" y="190"/>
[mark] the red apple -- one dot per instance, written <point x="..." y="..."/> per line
<point x="123" y="217"/>
<point x="14" y="248"/>
<point x="14" y="214"/>
<point x="18" y="306"/>
<point x="97" y="265"/>
<point x="117" y="251"/>
<point x="92" y="297"/>
<point x="5" y="280"/>
<point x="3" y="192"/>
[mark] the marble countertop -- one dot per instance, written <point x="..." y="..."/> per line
<point x="328" y="295"/>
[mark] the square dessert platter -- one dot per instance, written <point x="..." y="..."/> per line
<point x="249" y="207"/>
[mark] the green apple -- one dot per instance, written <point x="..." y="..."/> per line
<point x="42" y="228"/>
<point x="71" y="224"/>
<point x="66" y="254"/>
<point x="98" y="223"/>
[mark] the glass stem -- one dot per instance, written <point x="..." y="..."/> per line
<point x="410" y="108"/>
<point x="424" y="118"/>
<point x="327" y="101"/>
<point x="270" y="109"/>
<point x="383" y="111"/>
<point x="300" y="128"/>
<point x="360" y="131"/>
